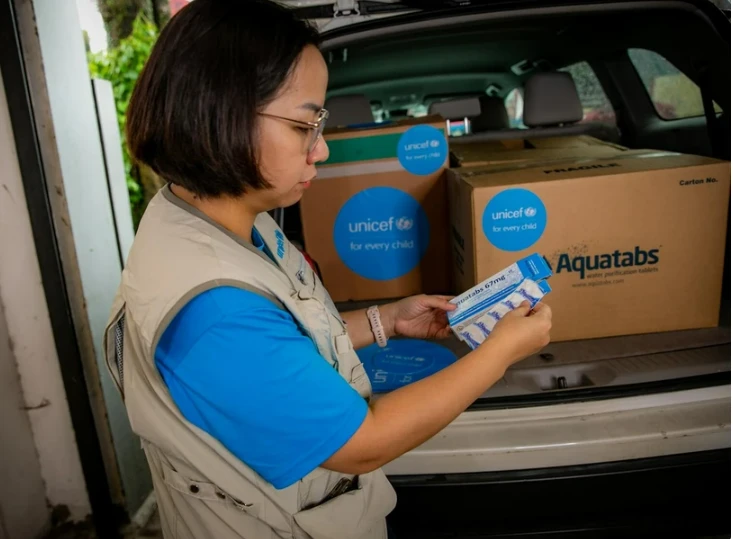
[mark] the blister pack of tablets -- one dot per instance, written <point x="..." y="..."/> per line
<point x="481" y="307"/>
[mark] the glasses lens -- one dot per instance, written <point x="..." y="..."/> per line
<point x="318" y="131"/>
<point x="313" y="140"/>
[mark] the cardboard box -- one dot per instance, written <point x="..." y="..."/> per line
<point x="636" y="242"/>
<point x="470" y="154"/>
<point x="492" y="145"/>
<point x="577" y="159"/>
<point x="533" y="143"/>
<point x="376" y="219"/>
<point x="577" y="141"/>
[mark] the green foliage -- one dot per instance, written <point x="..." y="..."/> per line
<point x="121" y="65"/>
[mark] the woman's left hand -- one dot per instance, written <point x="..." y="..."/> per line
<point x="419" y="317"/>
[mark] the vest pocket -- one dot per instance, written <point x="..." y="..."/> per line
<point x="205" y="491"/>
<point x="113" y="347"/>
<point x="355" y="514"/>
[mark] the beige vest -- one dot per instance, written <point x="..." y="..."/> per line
<point x="204" y="491"/>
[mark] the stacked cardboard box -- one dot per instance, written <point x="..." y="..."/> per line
<point x="636" y="240"/>
<point x="471" y="154"/>
<point x="376" y="219"/>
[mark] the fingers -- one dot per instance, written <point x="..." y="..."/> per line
<point x="542" y="309"/>
<point x="444" y="333"/>
<point x="439" y="302"/>
<point x="523" y="310"/>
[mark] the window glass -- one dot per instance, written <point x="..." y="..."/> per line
<point x="596" y="106"/>
<point x="673" y="93"/>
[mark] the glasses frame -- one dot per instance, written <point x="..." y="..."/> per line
<point x="317" y="126"/>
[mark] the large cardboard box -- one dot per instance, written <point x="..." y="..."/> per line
<point x="575" y="141"/>
<point x="538" y="143"/>
<point x="471" y="154"/>
<point x="376" y="219"/>
<point x="636" y="242"/>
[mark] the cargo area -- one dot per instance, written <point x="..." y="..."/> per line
<point x="635" y="100"/>
<point x="599" y="367"/>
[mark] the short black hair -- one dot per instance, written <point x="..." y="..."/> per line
<point x="193" y="112"/>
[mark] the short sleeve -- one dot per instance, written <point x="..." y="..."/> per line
<point x="239" y="367"/>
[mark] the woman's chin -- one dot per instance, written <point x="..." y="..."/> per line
<point x="293" y="197"/>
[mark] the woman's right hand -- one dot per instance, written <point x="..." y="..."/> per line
<point x="403" y="419"/>
<point x="522" y="332"/>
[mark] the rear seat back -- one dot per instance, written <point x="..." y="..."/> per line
<point x="456" y="109"/>
<point x="493" y="115"/>
<point x="491" y="122"/>
<point x="465" y="108"/>
<point x="551" y="100"/>
<point x="552" y="108"/>
<point x="349" y="109"/>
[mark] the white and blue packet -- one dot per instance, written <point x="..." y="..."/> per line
<point x="481" y="307"/>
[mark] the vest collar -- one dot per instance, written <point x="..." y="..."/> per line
<point x="284" y="257"/>
<point x="185" y="206"/>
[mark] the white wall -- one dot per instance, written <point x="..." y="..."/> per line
<point x="23" y="510"/>
<point x="36" y="364"/>
<point x="71" y="151"/>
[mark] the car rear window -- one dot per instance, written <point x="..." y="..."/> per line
<point x="673" y="94"/>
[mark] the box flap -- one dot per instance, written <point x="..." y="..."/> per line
<point x="358" y="146"/>
<point x="479" y="154"/>
<point x="622" y="163"/>
<point x="575" y="141"/>
<point x="367" y="129"/>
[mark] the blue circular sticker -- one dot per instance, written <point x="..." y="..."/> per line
<point x="381" y="233"/>
<point x="402" y="362"/>
<point x="422" y="150"/>
<point x="514" y="220"/>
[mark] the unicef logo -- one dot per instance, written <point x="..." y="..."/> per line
<point x="404" y="223"/>
<point x="381" y="233"/>
<point x="422" y="150"/>
<point x="514" y="220"/>
<point x="403" y="361"/>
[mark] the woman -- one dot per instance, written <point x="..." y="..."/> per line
<point x="239" y="374"/>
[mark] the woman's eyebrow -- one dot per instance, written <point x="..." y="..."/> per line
<point x="312" y="107"/>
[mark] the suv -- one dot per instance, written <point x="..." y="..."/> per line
<point x="645" y="448"/>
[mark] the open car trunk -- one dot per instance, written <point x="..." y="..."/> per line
<point x="408" y="57"/>
<point x="610" y="437"/>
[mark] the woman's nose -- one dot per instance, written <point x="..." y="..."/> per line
<point x="320" y="152"/>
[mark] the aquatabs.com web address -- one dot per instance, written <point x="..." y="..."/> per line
<point x="611" y="277"/>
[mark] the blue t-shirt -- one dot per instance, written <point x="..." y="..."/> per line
<point x="242" y="370"/>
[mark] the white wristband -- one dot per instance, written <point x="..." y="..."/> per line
<point x="375" y="322"/>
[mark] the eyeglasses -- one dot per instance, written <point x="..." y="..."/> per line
<point x="316" y="127"/>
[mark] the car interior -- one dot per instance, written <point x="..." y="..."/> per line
<point x="566" y="72"/>
<point x="607" y="56"/>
